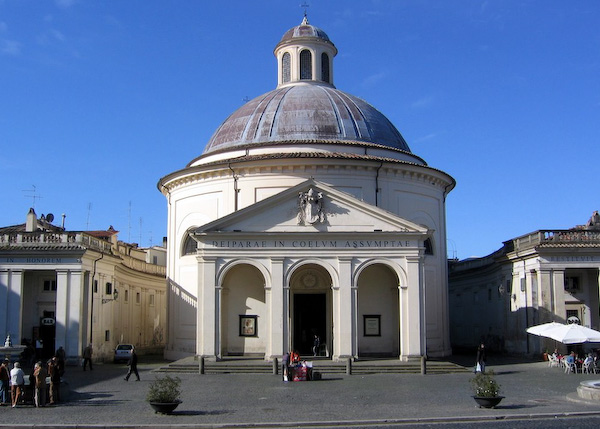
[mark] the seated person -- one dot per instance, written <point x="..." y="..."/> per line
<point x="294" y="357"/>
<point x="588" y="359"/>
<point x="571" y="358"/>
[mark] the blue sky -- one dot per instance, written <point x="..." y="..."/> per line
<point x="100" y="99"/>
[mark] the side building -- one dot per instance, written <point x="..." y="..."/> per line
<point x="544" y="276"/>
<point x="72" y="288"/>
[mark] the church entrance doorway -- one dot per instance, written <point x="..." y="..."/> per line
<point x="310" y="319"/>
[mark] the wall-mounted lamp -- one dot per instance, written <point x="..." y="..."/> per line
<point x="114" y="298"/>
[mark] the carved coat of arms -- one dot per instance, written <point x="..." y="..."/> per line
<point x="310" y="205"/>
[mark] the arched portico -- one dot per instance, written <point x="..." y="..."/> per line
<point x="310" y="308"/>
<point x="243" y="309"/>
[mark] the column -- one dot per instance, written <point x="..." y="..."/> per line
<point x="558" y="288"/>
<point x="206" y="328"/>
<point x="277" y="307"/>
<point x="11" y="294"/>
<point x="69" y="295"/>
<point x="413" y="325"/>
<point x="546" y="295"/>
<point x="344" y="331"/>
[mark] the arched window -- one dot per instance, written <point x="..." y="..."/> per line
<point x="285" y="67"/>
<point x="428" y="247"/>
<point x="325" y="67"/>
<point x="305" y="64"/>
<point x="189" y="245"/>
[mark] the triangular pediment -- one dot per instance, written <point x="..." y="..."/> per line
<point x="311" y="207"/>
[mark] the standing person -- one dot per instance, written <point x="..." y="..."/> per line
<point x="285" y="363"/>
<point x="87" y="356"/>
<point x="54" y="373"/>
<point x="40" y="374"/>
<point x="4" y="381"/>
<point x="316" y="344"/>
<point x="17" y="382"/>
<point x="481" y="357"/>
<point x="61" y="356"/>
<point x="132" y="365"/>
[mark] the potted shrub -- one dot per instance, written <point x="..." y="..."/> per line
<point x="486" y="389"/>
<point x="163" y="394"/>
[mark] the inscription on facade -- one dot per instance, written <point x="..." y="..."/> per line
<point x="574" y="258"/>
<point x="53" y="261"/>
<point x="311" y="244"/>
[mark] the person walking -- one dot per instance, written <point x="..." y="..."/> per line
<point x="481" y="357"/>
<point x="4" y="381"/>
<point x="17" y="382"/>
<point x="40" y="374"/>
<point x="316" y="345"/>
<point x="132" y="365"/>
<point x="87" y="356"/>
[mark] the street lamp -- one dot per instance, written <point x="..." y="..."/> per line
<point x="114" y="298"/>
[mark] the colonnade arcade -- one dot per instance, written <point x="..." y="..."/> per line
<point x="267" y="305"/>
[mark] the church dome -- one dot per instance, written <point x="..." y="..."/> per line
<point x="306" y="113"/>
<point x="305" y="107"/>
<point x="303" y="30"/>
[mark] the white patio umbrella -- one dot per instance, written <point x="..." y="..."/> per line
<point x="566" y="334"/>
<point x="540" y="329"/>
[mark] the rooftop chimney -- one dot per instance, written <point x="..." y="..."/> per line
<point x="31" y="224"/>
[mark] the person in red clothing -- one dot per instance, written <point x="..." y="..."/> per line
<point x="294" y="357"/>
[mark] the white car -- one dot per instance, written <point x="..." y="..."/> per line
<point x="123" y="352"/>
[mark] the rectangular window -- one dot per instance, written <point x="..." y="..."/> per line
<point x="95" y="286"/>
<point x="106" y="335"/>
<point x="138" y="297"/>
<point x="108" y="288"/>
<point x="151" y="300"/>
<point x="571" y="284"/>
<point x="49" y="285"/>
<point x="126" y="295"/>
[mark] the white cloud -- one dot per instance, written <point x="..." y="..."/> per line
<point x="10" y="47"/>
<point x="374" y="79"/>
<point x="423" y="102"/>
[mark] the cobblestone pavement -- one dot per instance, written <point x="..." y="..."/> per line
<point x="101" y="397"/>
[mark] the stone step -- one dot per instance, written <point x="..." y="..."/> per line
<point x="329" y="368"/>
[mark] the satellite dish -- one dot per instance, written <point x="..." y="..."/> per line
<point x="50" y="217"/>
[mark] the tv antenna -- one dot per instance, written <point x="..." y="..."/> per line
<point x="87" y="222"/>
<point x="33" y="195"/>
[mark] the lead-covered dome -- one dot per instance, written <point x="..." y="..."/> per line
<point x="305" y="107"/>
<point x="309" y="113"/>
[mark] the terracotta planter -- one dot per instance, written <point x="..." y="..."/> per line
<point x="164" y="407"/>
<point x="488" y="402"/>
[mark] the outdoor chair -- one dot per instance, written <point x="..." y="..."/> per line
<point x="588" y="368"/>
<point x="570" y="367"/>
<point x="553" y="361"/>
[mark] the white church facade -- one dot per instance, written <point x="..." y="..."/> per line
<point x="307" y="214"/>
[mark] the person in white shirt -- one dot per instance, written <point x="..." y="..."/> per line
<point x="17" y="381"/>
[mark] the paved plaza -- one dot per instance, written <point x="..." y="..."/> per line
<point x="102" y="398"/>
